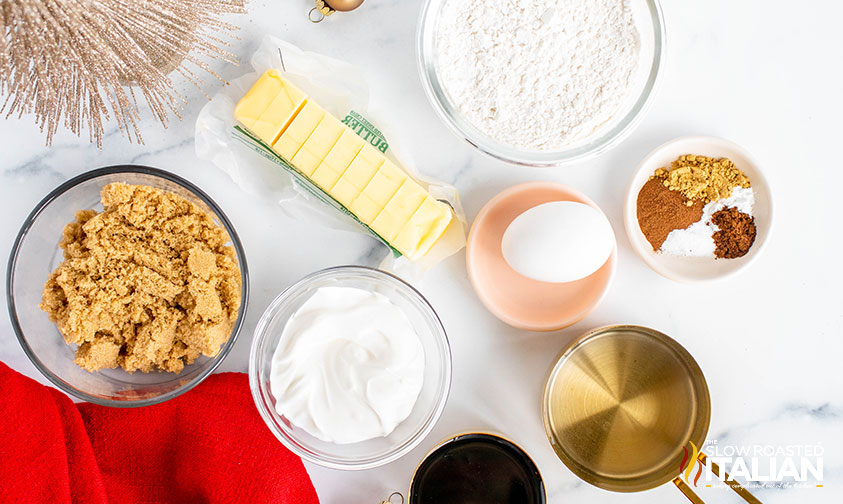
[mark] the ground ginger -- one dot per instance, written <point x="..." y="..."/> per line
<point x="701" y="178"/>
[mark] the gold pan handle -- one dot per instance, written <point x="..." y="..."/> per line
<point x="723" y="475"/>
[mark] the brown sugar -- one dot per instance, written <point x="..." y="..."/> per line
<point x="735" y="234"/>
<point x="147" y="284"/>
<point x="661" y="210"/>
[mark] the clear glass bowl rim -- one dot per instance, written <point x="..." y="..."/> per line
<point x="254" y="381"/>
<point x="71" y="184"/>
<point x="608" y="139"/>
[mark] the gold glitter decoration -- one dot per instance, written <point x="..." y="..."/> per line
<point x="77" y="63"/>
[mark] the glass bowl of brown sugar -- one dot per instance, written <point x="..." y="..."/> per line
<point x="41" y="246"/>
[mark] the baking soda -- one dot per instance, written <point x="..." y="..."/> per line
<point x="697" y="240"/>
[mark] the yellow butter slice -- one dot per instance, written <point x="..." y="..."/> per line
<point x="425" y="227"/>
<point x="326" y="177"/>
<point x="269" y="106"/>
<point x="344" y="192"/>
<point x="363" y="167"/>
<point x="365" y="209"/>
<point x="398" y="211"/>
<point x="318" y="144"/>
<point x="336" y="162"/>
<point x="344" y="151"/>
<point x="385" y="183"/>
<point x="300" y="128"/>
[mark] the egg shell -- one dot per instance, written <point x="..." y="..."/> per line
<point x="560" y="241"/>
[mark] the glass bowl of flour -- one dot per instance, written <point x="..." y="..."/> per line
<point x="350" y="368"/>
<point x="541" y="83"/>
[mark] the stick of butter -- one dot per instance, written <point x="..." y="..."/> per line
<point x="358" y="176"/>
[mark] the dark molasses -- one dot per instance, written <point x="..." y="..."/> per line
<point x="477" y="468"/>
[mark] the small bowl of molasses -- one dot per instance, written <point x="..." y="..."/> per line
<point x="477" y="467"/>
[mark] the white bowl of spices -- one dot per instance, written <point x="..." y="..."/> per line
<point x="698" y="209"/>
<point x="537" y="83"/>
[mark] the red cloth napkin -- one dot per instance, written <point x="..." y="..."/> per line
<point x="208" y="445"/>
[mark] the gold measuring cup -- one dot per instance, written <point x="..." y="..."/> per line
<point x="623" y="405"/>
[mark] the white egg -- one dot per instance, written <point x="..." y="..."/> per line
<point x="560" y="241"/>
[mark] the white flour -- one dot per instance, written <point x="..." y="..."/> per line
<point x="697" y="240"/>
<point x="538" y="74"/>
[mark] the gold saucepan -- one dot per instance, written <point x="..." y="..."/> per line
<point x="623" y="405"/>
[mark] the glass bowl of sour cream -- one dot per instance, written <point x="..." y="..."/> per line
<point x="350" y="367"/>
<point x="541" y="86"/>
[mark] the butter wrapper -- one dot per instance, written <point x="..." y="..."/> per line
<point x="343" y="91"/>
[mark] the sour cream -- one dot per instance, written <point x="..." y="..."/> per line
<point x="349" y="366"/>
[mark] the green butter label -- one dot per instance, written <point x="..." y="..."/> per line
<point x="366" y="131"/>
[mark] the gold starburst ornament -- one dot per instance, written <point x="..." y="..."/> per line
<point x="79" y="63"/>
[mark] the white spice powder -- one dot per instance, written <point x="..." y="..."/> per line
<point x="536" y="74"/>
<point x="697" y="240"/>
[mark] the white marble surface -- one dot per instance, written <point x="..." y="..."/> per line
<point x="763" y="74"/>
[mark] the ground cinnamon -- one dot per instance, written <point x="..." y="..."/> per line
<point x="661" y="210"/>
<point x="735" y="235"/>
